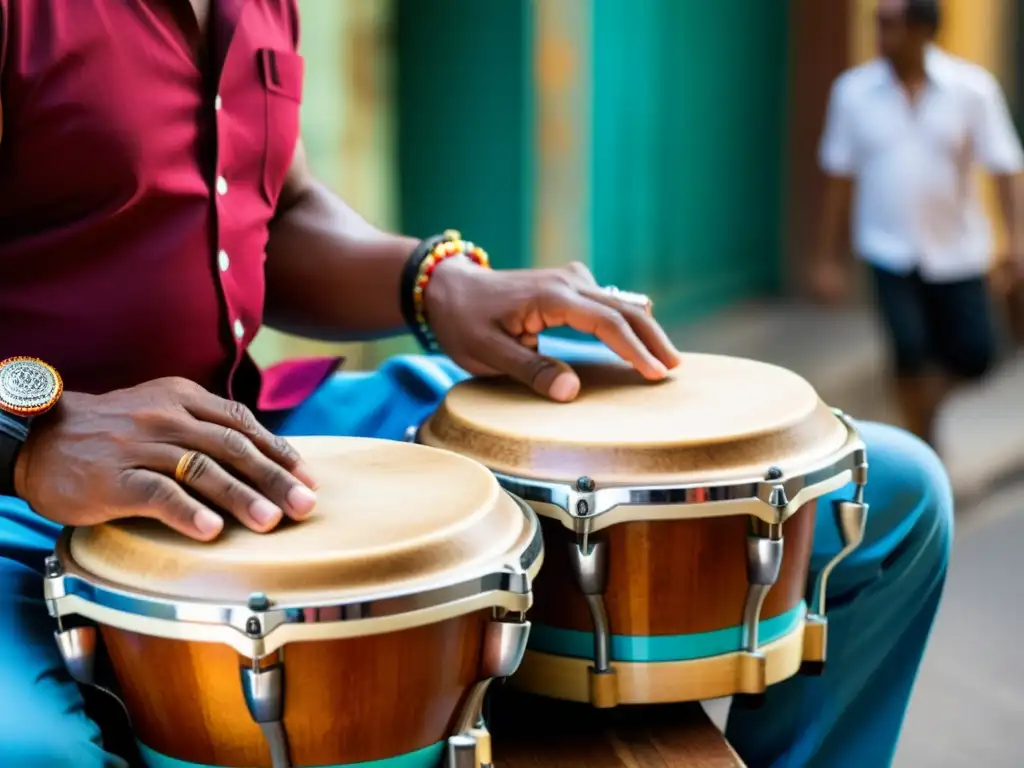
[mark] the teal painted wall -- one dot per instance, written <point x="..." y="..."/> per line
<point x="465" y="132"/>
<point x="687" y="167"/>
<point x="687" y="139"/>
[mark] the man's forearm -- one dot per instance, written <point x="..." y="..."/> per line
<point x="1011" y="200"/>
<point x="330" y="274"/>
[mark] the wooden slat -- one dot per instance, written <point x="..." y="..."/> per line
<point x="531" y="732"/>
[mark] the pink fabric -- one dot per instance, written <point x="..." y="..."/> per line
<point x="287" y="384"/>
<point x="110" y="218"/>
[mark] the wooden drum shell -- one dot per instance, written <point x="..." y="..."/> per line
<point x="671" y="577"/>
<point x="345" y="701"/>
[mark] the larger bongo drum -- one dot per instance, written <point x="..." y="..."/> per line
<point x="367" y="633"/>
<point x="678" y="519"/>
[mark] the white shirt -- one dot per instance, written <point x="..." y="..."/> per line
<point x="917" y="205"/>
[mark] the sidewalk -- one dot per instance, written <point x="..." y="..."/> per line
<point x="980" y="431"/>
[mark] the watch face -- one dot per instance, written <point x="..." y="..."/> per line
<point x="28" y="387"/>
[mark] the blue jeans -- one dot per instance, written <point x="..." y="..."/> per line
<point x="882" y="600"/>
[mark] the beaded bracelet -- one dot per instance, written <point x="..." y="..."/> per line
<point x="437" y="250"/>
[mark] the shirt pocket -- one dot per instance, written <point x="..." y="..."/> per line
<point x="282" y="87"/>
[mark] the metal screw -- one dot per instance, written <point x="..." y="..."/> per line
<point x="259" y="602"/>
<point x="252" y="627"/>
<point x="585" y="485"/>
<point x="582" y="508"/>
<point x="774" y="473"/>
<point x="53" y="569"/>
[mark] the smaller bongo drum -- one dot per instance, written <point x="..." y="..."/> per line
<point x="667" y="508"/>
<point x="368" y="632"/>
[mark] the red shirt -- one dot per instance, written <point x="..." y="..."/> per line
<point x="136" y="194"/>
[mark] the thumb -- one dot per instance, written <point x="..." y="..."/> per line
<point x="545" y="375"/>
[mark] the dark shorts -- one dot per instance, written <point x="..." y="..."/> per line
<point x="950" y="324"/>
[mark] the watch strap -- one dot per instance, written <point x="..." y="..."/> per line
<point x="13" y="433"/>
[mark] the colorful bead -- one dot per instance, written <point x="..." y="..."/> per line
<point x="453" y="245"/>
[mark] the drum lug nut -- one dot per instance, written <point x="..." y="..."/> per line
<point x="252" y="627"/>
<point x="585" y="485"/>
<point x="773" y="474"/>
<point x="258" y="602"/>
<point x="584" y="506"/>
<point x="53" y="567"/>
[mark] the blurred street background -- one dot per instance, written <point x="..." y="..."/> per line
<point x="672" y="146"/>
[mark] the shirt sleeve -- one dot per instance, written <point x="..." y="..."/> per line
<point x="996" y="142"/>
<point x="837" y="153"/>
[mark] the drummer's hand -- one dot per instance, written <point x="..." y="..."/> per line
<point x="488" y="322"/>
<point x="98" y="458"/>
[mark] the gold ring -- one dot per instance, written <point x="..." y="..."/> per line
<point x="629" y="297"/>
<point x="184" y="465"/>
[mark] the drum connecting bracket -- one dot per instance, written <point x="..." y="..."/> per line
<point x="77" y="644"/>
<point x="505" y="638"/>
<point x="765" y="547"/>
<point x="851" y="522"/>
<point x="588" y="558"/>
<point x="263" y="689"/>
<point x="77" y="639"/>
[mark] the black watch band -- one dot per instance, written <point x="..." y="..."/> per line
<point x="13" y="433"/>
<point x="28" y="388"/>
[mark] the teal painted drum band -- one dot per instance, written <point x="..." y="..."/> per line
<point x="428" y="757"/>
<point x="630" y="648"/>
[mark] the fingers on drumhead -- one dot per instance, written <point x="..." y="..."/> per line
<point x="552" y="378"/>
<point x="239" y="419"/>
<point x="159" y="497"/>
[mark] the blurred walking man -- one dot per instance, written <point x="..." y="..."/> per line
<point x="902" y="135"/>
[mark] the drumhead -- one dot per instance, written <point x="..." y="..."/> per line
<point x="389" y="516"/>
<point x="713" y="418"/>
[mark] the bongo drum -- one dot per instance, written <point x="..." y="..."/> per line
<point x="678" y="519"/>
<point x="365" y="635"/>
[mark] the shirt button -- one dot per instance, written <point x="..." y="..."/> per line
<point x="239" y="329"/>
<point x="222" y="185"/>
<point x="223" y="261"/>
<point x="218" y="103"/>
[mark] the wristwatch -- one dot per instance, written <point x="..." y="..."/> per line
<point x="28" y="388"/>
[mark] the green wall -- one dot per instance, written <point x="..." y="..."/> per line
<point x="689" y="121"/>
<point x="465" y="127"/>
<point x="687" y="125"/>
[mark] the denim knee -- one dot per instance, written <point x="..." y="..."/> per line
<point x="911" y="485"/>
<point x="57" y="739"/>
